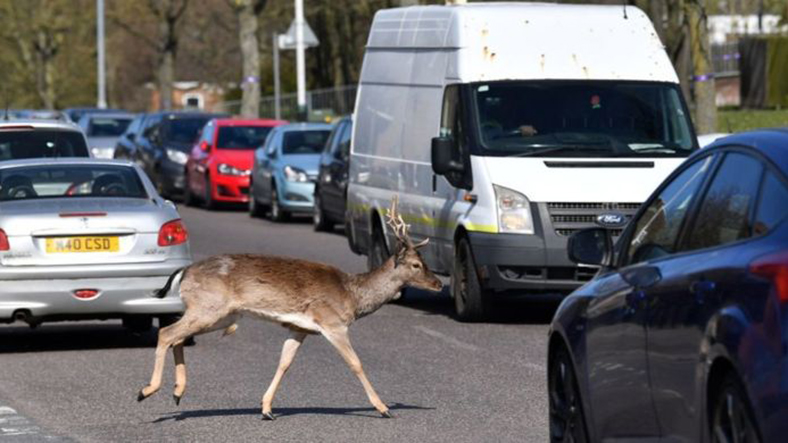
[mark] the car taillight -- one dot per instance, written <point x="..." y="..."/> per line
<point x="775" y="268"/>
<point x="173" y="233"/>
<point x="4" y="246"/>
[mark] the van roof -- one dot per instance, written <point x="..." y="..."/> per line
<point x="499" y="41"/>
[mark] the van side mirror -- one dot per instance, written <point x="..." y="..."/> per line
<point x="442" y="162"/>
<point x="592" y="246"/>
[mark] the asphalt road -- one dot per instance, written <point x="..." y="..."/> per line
<point x="443" y="380"/>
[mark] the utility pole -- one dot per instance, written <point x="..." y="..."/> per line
<point x="102" y="76"/>
<point x="277" y="87"/>
<point x="300" y="62"/>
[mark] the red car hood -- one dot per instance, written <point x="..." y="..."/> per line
<point x="240" y="158"/>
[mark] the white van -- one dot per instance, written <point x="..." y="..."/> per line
<point x="504" y="128"/>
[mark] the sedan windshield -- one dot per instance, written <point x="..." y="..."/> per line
<point x="582" y="119"/>
<point x="108" y="126"/>
<point x="18" y="144"/>
<point x="184" y="130"/>
<point x="70" y="181"/>
<point x="242" y="137"/>
<point x="304" y="142"/>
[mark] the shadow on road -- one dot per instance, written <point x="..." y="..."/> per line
<point x="284" y="412"/>
<point x="506" y="309"/>
<point x="72" y="337"/>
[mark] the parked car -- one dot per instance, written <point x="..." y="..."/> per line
<point x="220" y="162"/>
<point x="331" y="186"/>
<point x="681" y="336"/>
<point x="509" y="129"/>
<point x="163" y="145"/>
<point x="124" y="147"/>
<point x="103" y="131"/>
<point x="41" y="138"/>
<point x="75" y="114"/>
<point x="285" y="168"/>
<point x="86" y="239"/>
<point x="39" y="114"/>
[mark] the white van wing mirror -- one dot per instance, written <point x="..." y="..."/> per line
<point x="442" y="162"/>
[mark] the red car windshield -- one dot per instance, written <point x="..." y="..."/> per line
<point x="241" y="137"/>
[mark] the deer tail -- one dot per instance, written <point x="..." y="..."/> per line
<point x="177" y="275"/>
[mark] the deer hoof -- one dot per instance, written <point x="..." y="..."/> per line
<point x="268" y="416"/>
<point x="177" y="399"/>
<point x="386" y="414"/>
<point x="141" y="396"/>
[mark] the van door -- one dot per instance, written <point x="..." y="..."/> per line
<point x="445" y="191"/>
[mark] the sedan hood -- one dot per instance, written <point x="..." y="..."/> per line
<point x="239" y="158"/>
<point x="306" y="162"/>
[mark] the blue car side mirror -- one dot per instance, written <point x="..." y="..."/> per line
<point x="642" y="277"/>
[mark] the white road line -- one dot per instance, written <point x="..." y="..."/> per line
<point x="450" y="340"/>
<point x="13" y="425"/>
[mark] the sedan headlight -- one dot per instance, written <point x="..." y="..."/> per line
<point x="177" y="156"/>
<point x="514" y="212"/>
<point x="226" y="169"/>
<point x="295" y="175"/>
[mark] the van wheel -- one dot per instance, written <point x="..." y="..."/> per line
<point x="730" y="413"/>
<point x="471" y="301"/>
<point x="277" y="213"/>
<point x="378" y="253"/>
<point x="319" y="219"/>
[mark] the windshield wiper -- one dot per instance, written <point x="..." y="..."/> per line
<point x="560" y="148"/>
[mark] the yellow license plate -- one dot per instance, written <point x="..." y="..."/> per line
<point x="82" y="244"/>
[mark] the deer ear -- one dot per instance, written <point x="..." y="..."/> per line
<point x="399" y="256"/>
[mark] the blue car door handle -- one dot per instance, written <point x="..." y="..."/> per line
<point x="701" y="289"/>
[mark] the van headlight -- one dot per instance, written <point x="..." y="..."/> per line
<point x="295" y="175"/>
<point x="177" y="156"/>
<point x="514" y="212"/>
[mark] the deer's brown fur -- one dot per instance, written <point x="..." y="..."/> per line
<point x="306" y="297"/>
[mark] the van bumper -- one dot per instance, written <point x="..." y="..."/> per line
<point x="526" y="262"/>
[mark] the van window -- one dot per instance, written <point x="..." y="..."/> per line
<point x="452" y="127"/>
<point x="582" y="119"/>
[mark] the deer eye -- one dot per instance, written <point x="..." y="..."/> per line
<point x="416" y="265"/>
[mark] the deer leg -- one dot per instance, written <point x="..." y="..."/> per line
<point x="180" y="373"/>
<point x="175" y="334"/>
<point x="341" y="342"/>
<point x="289" y="350"/>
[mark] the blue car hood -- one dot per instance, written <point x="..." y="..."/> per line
<point x="305" y="162"/>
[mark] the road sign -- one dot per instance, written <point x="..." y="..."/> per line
<point x="288" y="39"/>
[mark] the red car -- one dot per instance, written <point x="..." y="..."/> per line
<point x="219" y="164"/>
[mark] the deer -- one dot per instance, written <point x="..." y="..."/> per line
<point x="305" y="297"/>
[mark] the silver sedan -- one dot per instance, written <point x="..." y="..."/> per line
<point x="86" y="239"/>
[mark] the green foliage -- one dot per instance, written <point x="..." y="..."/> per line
<point x="737" y="120"/>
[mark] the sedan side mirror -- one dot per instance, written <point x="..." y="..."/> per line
<point x="442" y="162"/>
<point x="592" y="246"/>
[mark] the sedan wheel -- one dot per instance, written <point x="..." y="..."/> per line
<point x="208" y="200"/>
<point x="277" y="213"/>
<point x="731" y="419"/>
<point x="319" y="219"/>
<point x="566" y="412"/>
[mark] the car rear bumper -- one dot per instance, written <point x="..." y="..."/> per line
<point x="117" y="297"/>
<point x="230" y="188"/>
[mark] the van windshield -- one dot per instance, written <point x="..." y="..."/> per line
<point x="582" y="119"/>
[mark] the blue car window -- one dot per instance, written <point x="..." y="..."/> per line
<point x="657" y="229"/>
<point x="724" y="213"/>
<point x="773" y="206"/>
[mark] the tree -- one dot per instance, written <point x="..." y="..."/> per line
<point x="703" y="91"/>
<point x="168" y="14"/>
<point x="248" y="12"/>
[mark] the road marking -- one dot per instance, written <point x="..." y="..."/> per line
<point x="13" y="425"/>
<point x="450" y="340"/>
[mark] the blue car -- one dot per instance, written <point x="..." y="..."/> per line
<point x="683" y="333"/>
<point x="285" y="169"/>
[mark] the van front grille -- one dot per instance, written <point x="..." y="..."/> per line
<point x="570" y="217"/>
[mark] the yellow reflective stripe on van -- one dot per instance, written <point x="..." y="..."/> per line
<point x="429" y="221"/>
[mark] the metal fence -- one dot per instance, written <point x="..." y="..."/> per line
<point x="725" y="59"/>
<point x="321" y="104"/>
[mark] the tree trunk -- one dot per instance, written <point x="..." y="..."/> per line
<point x="250" y="50"/>
<point x="166" y="77"/>
<point x="702" y="69"/>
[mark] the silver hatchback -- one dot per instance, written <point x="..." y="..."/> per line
<point x="86" y="239"/>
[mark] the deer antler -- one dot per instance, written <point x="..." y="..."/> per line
<point x="399" y="226"/>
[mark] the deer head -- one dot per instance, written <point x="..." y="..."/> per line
<point x="408" y="263"/>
